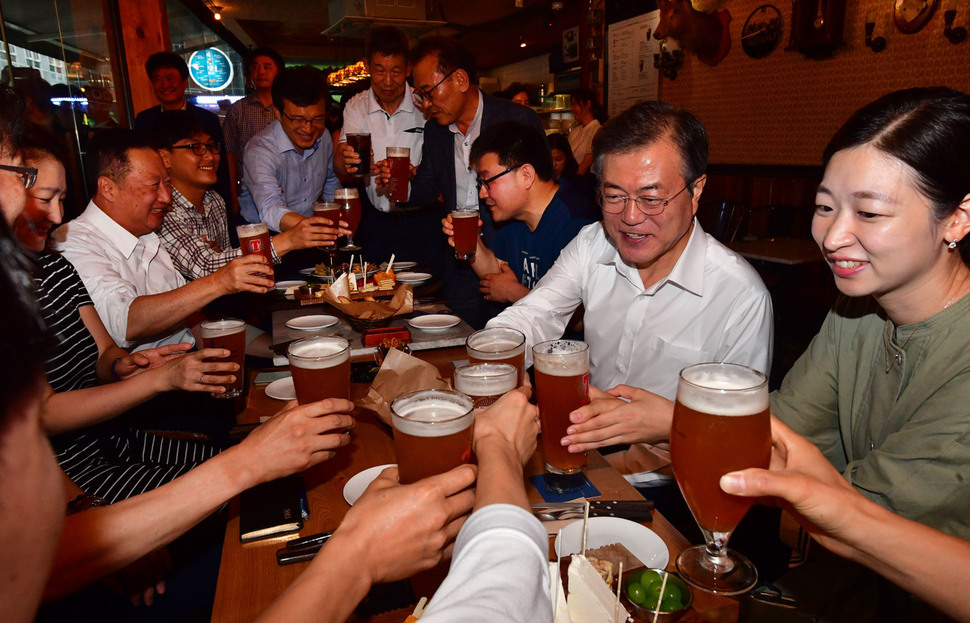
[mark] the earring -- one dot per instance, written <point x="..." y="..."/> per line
<point x="953" y="245"/>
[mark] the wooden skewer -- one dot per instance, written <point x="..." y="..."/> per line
<point x="663" y="587"/>
<point x="556" y="582"/>
<point x="390" y="263"/>
<point x="585" y="524"/>
<point x="619" y="584"/>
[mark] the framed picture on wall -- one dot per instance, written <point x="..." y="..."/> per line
<point x="570" y="45"/>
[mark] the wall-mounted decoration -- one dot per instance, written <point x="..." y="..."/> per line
<point x="211" y="69"/>
<point x="817" y="27"/>
<point x="911" y="15"/>
<point x="761" y="31"/>
<point x="570" y="45"/>
<point x="705" y="35"/>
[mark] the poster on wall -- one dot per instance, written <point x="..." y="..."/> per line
<point x="570" y="45"/>
<point x="632" y="76"/>
<point x="211" y="69"/>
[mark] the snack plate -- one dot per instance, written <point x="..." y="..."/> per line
<point x="281" y="389"/>
<point x="413" y="278"/>
<point x="361" y="480"/>
<point x="400" y="266"/>
<point x="434" y="322"/>
<point x="312" y="323"/>
<point x="640" y="540"/>
<point x="308" y="272"/>
<point x="283" y="286"/>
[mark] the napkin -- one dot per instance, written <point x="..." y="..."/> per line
<point x="400" y="373"/>
<point x="643" y="464"/>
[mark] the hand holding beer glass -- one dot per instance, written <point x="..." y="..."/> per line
<point x="399" y="160"/>
<point x="360" y="142"/>
<point x="229" y="334"/>
<point x="464" y="224"/>
<point x="720" y="425"/>
<point x="432" y="432"/>
<point x="320" y="368"/>
<point x="562" y="386"/>
<point x="485" y="383"/>
<point x="254" y="239"/>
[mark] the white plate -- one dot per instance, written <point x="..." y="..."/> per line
<point x="286" y="285"/>
<point x="400" y="266"/>
<point x="434" y="322"/>
<point x="308" y="272"/>
<point x="640" y="540"/>
<point x="311" y="323"/>
<point x="413" y="278"/>
<point x="281" y="389"/>
<point x="361" y="480"/>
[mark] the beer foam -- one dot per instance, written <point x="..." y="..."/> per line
<point x="252" y="229"/>
<point x="723" y="390"/>
<point x="345" y="193"/>
<point x="498" y="341"/>
<point x="219" y="328"/>
<point x="398" y="152"/>
<point x="317" y="353"/>
<point x="561" y="358"/>
<point x="464" y="214"/>
<point x="435" y="415"/>
<point x="486" y="379"/>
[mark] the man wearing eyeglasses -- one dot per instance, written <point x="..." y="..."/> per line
<point x="659" y="293"/>
<point x="15" y="178"/>
<point x="289" y="165"/>
<point x="196" y="231"/>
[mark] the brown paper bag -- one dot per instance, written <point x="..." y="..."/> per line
<point x="400" y="373"/>
<point x="338" y="295"/>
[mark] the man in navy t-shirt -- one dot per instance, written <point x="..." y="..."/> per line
<point x="516" y="180"/>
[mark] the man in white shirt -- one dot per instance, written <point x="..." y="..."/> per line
<point x="659" y="293"/>
<point x="142" y="299"/>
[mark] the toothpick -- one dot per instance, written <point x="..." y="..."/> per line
<point x="663" y="587"/>
<point x="419" y="609"/>
<point x="619" y="583"/>
<point x="390" y="263"/>
<point x="556" y="582"/>
<point x="585" y="524"/>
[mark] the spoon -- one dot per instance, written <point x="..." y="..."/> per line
<point x="820" y="18"/>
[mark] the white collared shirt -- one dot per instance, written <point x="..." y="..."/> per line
<point x="466" y="190"/>
<point x="403" y="128"/>
<point x="712" y="306"/>
<point x="116" y="268"/>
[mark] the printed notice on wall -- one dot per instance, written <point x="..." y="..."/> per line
<point x="632" y="76"/>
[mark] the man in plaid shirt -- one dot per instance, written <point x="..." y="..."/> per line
<point x="196" y="231"/>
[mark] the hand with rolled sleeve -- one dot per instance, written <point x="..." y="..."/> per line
<point x="313" y="231"/>
<point x="623" y="414"/>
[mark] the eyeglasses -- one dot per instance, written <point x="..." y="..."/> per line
<point x="200" y="149"/>
<point x="28" y="175"/>
<point x="317" y="122"/>
<point x="480" y="182"/>
<point x="421" y="96"/>
<point x="649" y="206"/>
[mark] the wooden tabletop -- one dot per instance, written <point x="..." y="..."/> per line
<point x="250" y="579"/>
<point x="789" y="251"/>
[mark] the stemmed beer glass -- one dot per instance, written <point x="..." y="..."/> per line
<point x="720" y="425"/>
<point x="349" y="201"/>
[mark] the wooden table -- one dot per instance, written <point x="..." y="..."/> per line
<point x="788" y="251"/>
<point x="250" y="579"/>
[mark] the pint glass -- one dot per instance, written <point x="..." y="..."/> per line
<point x="485" y="383"/>
<point x="432" y="432"/>
<point x="465" y="224"/>
<point x="720" y="425"/>
<point x="349" y="201"/>
<point x="327" y="209"/>
<point x="498" y="345"/>
<point x="562" y="386"/>
<point x="229" y="334"/>
<point x="361" y="144"/>
<point x="320" y="368"/>
<point x="254" y="240"/>
<point x="399" y="159"/>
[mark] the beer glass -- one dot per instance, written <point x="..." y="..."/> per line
<point x="562" y="386"/>
<point x="320" y="368"/>
<point x="498" y="345"/>
<point x="361" y="144"/>
<point x="349" y="201"/>
<point x="465" y="225"/>
<point x="254" y="239"/>
<point x="720" y="425"/>
<point x="399" y="159"/>
<point x="229" y="334"/>
<point x="432" y="432"/>
<point x="485" y="383"/>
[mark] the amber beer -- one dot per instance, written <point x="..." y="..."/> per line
<point x="432" y="432"/>
<point x="229" y="334"/>
<point x="361" y="144"/>
<point x="329" y="210"/>
<point x="320" y="368"/>
<point x="465" y="225"/>
<point x="485" y="383"/>
<point x="562" y="386"/>
<point x="399" y="159"/>
<point x="720" y="425"/>
<point x="498" y="345"/>
<point x="254" y="240"/>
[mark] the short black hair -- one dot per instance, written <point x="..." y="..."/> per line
<point x="646" y="123"/>
<point x="302" y="86"/>
<point x="111" y="149"/>
<point x="39" y="143"/>
<point x="386" y="40"/>
<point x="166" y="60"/>
<point x="11" y="121"/>
<point x="269" y="53"/>
<point x="515" y="144"/>
<point x="173" y="126"/>
<point x="451" y="55"/>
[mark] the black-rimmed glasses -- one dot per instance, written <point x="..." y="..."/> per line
<point x="480" y="182"/>
<point x="421" y="96"/>
<point x="649" y="206"/>
<point x="299" y="122"/>
<point x="28" y="175"/>
<point x="200" y="149"/>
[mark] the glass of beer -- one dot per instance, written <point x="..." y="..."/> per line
<point x="320" y="367"/>
<point x="485" y="383"/>
<point x="498" y="345"/>
<point x="432" y="432"/>
<point x="399" y="159"/>
<point x="349" y="201"/>
<point x="229" y="334"/>
<point x="465" y="224"/>
<point x="361" y="144"/>
<point x="562" y="386"/>
<point x="254" y="240"/>
<point x="720" y="425"/>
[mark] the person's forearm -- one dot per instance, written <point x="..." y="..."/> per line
<point x="289" y="220"/>
<point x="484" y="262"/>
<point x="71" y="410"/>
<point x="100" y="541"/>
<point x="105" y="367"/>
<point x="517" y="292"/>
<point x="156" y="314"/>
<point x="499" y="475"/>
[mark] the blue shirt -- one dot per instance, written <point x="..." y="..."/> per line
<point x="278" y="179"/>
<point x="531" y="253"/>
